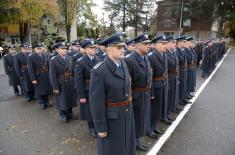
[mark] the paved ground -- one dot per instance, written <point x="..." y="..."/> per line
<point x="208" y="127"/>
<point x="27" y="130"/>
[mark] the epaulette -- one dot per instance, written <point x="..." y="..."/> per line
<point x="98" y="65"/>
<point x="150" y="53"/>
<point x="52" y="57"/>
<point x="80" y="59"/>
<point x="75" y="54"/>
<point x="128" y="55"/>
<point x="30" y="54"/>
<point x="104" y="53"/>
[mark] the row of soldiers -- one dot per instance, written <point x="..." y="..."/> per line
<point x="125" y="89"/>
<point x="213" y="52"/>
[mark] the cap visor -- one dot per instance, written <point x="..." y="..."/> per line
<point x="63" y="46"/>
<point x="145" y="42"/>
<point x="118" y="44"/>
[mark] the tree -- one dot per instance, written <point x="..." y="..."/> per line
<point x="79" y="10"/>
<point x="141" y="14"/>
<point x="224" y="11"/>
<point x="68" y="9"/>
<point x="7" y="13"/>
<point x="131" y="13"/>
<point x="207" y="10"/>
<point x="118" y="9"/>
<point x="29" y="13"/>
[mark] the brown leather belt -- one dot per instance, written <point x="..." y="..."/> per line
<point x="140" y="89"/>
<point x="87" y="80"/>
<point x="67" y="75"/>
<point x="42" y="70"/>
<point x="173" y="72"/>
<point x="190" y="66"/>
<point x="182" y="67"/>
<point x="119" y="104"/>
<point x="23" y="66"/>
<point x="164" y="77"/>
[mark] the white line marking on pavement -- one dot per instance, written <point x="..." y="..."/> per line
<point x="157" y="146"/>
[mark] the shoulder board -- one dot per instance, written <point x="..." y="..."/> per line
<point x="104" y="53"/>
<point x="52" y="58"/>
<point x="98" y="65"/>
<point x="128" y="55"/>
<point x="80" y="59"/>
<point x="150" y="53"/>
<point x="30" y="54"/>
<point x="75" y="54"/>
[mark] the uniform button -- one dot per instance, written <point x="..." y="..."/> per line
<point x="126" y="110"/>
<point x="126" y="94"/>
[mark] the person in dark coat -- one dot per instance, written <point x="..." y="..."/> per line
<point x="190" y="68"/>
<point x="141" y="78"/>
<point x="61" y="69"/>
<point x="38" y="63"/>
<point x="75" y="50"/>
<point x="199" y="49"/>
<point x="101" y="52"/>
<point x="191" y="46"/>
<point x="183" y="73"/>
<point x="173" y="74"/>
<point x="110" y="101"/>
<point x="159" y="90"/>
<point x="130" y="46"/>
<point x="21" y="68"/>
<point x="207" y="60"/>
<point x="82" y="70"/>
<point x="14" y="80"/>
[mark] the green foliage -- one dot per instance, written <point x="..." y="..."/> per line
<point x="8" y="14"/>
<point x="31" y="11"/>
<point x="131" y="13"/>
<point x="79" y="9"/>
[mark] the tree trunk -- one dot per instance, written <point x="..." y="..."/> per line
<point x="136" y="16"/>
<point x="124" y="18"/>
<point x="21" y="27"/>
<point x="220" y="29"/>
<point x="68" y="28"/>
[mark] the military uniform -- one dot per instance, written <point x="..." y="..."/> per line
<point x="207" y="61"/>
<point x="21" y="68"/>
<point x="199" y="49"/>
<point x="141" y="78"/>
<point x="183" y="73"/>
<point x="111" y="109"/>
<point x="159" y="90"/>
<point x="75" y="54"/>
<point x="100" y="54"/>
<point x="14" y="80"/>
<point x="128" y="43"/>
<point x="82" y="70"/>
<point x="61" y="78"/>
<point x="173" y="74"/>
<point x="38" y="70"/>
<point x="190" y="65"/>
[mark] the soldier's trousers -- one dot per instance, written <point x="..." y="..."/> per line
<point x="43" y="99"/>
<point x="66" y="113"/>
<point x="91" y="125"/>
<point x="16" y="89"/>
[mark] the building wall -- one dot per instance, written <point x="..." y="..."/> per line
<point x="168" y="22"/>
